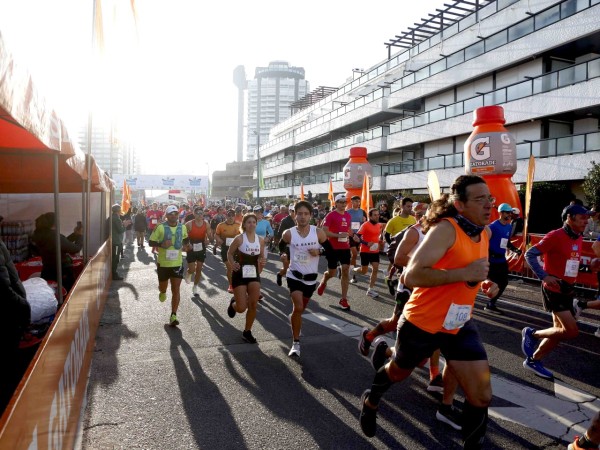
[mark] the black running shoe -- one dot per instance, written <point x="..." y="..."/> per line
<point x="247" y="336"/>
<point x="363" y="344"/>
<point x="279" y="279"/>
<point x="450" y="416"/>
<point x="230" y="310"/>
<point x="379" y="356"/>
<point x="368" y="416"/>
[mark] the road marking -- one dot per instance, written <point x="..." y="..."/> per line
<point x="563" y="415"/>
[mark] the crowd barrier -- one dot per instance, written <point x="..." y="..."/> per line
<point x="44" y="411"/>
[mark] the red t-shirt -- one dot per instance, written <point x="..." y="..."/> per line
<point x="370" y="232"/>
<point x="279" y="217"/>
<point x="338" y="223"/>
<point x="154" y="217"/>
<point x="561" y="254"/>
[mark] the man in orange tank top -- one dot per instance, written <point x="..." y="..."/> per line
<point x="197" y="232"/>
<point x="446" y="272"/>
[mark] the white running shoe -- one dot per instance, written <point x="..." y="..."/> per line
<point x="578" y="309"/>
<point x="188" y="277"/>
<point x="295" y="350"/>
<point x="195" y="289"/>
<point x="372" y="293"/>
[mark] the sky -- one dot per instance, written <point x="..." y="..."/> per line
<point x="166" y="79"/>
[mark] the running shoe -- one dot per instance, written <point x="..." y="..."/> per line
<point x="363" y="344"/>
<point x="528" y="342"/>
<point x="597" y="333"/>
<point x="230" y="289"/>
<point x="260" y="297"/>
<point x="295" y="350"/>
<point x="214" y="249"/>
<point x="230" y="310"/>
<point x="379" y="356"/>
<point x="436" y="385"/>
<point x="279" y="279"/>
<point x="353" y="280"/>
<point x="368" y="416"/>
<point x="162" y="296"/>
<point x="195" y="290"/>
<point x="372" y="293"/>
<point x="578" y="309"/>
<point x="390" y="285"/>
<point x="344" y="304"/>
<point x="173" y="320"/>
<point x="188" y="277"/>
<point x="247" y="336"/>
<point x="538" y="368"/>
<point x="450" y="416"/>
<point x="321" y="288"/>
<point x="492" y="308"/>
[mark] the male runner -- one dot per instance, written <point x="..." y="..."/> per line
<point x="197" y="232"/>
<point x="224" y="235"/>
<point x="446" y="273"/>
<point x="370" y="233"/>
<point x="359" y="216"/>
<point x="153" y="217"/>
<point x="288" y="222"/>
<point x="394" y="226"/>
<point x="171" y="238"/>
<point x="304" y="242"/>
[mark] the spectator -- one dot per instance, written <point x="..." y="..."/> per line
<point x="118" y="229"/>
<point x="44" y="241"/>
<point x="140" y="227"/>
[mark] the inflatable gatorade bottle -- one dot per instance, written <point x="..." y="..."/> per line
<point x="354" y="172"/>
<point x="490" y="152"/>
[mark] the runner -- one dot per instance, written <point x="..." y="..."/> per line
<point x="446" y="272"/>
<point x="214" y="221"/>
<point x="561" y="249"/>
<point x="224" y="235"/>
<point x="153" y="217"/>
<point x="370" y="233"/>
<point x="197" y="232"/>
<point x="171" y="238"/>
<point x="304" y="242"/>
<point x="288" y="222"/>
<point x="245" y="255"/>
<point x="591" y="438"/>
<point x="394" y="226"/>
<point x="499" y="242"/>
<point x="359" y="216"/>
<point x="337" y="228"/>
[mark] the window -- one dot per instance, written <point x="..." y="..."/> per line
<point x="547" y="17"/>
<point x="496" y="40"/>
<point x="437" y="66"/>
<point x="520" y="29"/>
<point x="422" y="74"/>
<point x="455" y="58"/>
<point x="474" y="50"/>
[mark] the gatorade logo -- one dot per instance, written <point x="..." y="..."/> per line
<point x="480" y="148"/>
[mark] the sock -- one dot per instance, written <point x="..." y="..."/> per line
<point x="584" y="442"/>
<point x="296" y="340"/>
<point x="582" y="304"/>
<point x="474" y="425"/>
<point x="434" y="371"/>
<point x="381" y="383"/>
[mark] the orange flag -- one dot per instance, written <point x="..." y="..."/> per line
<point x="302" y="191"/>
<point x="126" y="201"/>
<point x="330" y="196"/>
<point x="365" y="198"/>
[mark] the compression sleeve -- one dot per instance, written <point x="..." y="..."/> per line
<point x="531" y="256"/>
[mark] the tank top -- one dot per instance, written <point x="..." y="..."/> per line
<point x="300" y="260"/>
<point x="437" y="309"/>
<point x="421" y="237"/>
<point x="197" y="233"/>
<point x="249" y="252"/>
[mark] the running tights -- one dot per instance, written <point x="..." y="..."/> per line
<point x="474" y="425"/>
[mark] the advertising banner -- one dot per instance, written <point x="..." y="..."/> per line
<point x="164" y="182"/>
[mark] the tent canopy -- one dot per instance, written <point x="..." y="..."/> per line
<point x="31" y="134"/>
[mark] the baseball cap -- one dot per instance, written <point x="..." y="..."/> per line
<point x="571" y="210"/>
<point x="257" y="208"/>
<point x="420" y="207"/>
<point x="116" y="207"/>
<point x="516" y="211"/>
<point x="504" y="207"/>
<point x="171" y="209"/>
<point x="340" y="198"/>
<point x="292" y="207"/>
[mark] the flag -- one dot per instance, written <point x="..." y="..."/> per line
<point x="331" y="197"/>
<point x="126" y="200"/>
<point x="261" y="180"/>
<point x="365" y="198"/>
<point x="528" y="189"/>
<point x="302" y="191"/>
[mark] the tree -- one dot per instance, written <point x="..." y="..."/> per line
<point x="591" y="185"/>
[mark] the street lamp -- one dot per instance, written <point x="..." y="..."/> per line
<point x="257" y="134"/>
<point x="208" y="189"/>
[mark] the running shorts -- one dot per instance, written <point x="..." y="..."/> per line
<point x="166" y="273"/>
<point x="334" y="256"/>
<point x="367" y="258"/>
<point x="297" y="285"/>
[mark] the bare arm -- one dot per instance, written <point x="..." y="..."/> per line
<point x="439" y="239"/>
<point x="231" y="251"/>
<point x="408" y="242"/>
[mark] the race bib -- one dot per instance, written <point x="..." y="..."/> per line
<point x="572" y="268"/>
<point x="457" y="316"/>
<point x="248" y="271"/>
<point x="172" y="255"/>
<point x="198" y="247"/>
<point x="343" y="239"/>
<point x="374" y="247"/>
<point x="154" y="221"/>
<point x="228" y="241"/>
<point x="301" y="257"/>
<point x="503" y="242"/>
<point x="355" y="226"/>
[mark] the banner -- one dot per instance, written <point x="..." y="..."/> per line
<point x="164" y="182"/>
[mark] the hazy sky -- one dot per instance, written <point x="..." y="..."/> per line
<point x="170" y="85"/>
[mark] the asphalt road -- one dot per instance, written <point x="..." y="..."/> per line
<point x="199" y="386"/>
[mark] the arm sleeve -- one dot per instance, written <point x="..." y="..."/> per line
<point x="531" y="256"/>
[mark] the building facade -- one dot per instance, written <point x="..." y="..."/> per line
<point x="538" y="59"/>
<point x="112" y="154"/>
<point x="270" y="96"/>
<point x="233" y="182"/>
